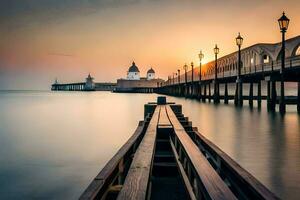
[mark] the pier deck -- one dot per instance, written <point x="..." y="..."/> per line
<point x="167" y="158"/>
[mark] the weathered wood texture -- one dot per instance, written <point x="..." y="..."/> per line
<point x="213" y="186"/>
<point x="137" y="179"/>
<point x="105" y="177"/>
<point x="163" y="121"/>
<point x="184" y="176"/>
<point x="253" y="189"/>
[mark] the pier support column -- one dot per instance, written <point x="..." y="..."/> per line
<point x="274" y="96"/>
<point x="204" y="96"/>
<point x="251" y="95"/>
<point x="282" y="97"/>
<point x="268" y="95"/>
<point x="259" y="94"/>
<point x="240" y="92"/>
<point x="216" y="93"/>
<point x="200" y="91"/>
<point x="226" y="94"/>
<point x="236" y="99"/>
<point x="298" y="98"/>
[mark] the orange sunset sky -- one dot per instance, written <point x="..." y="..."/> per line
<point x="42" y="40"/>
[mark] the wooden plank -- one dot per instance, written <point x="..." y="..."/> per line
<point x="240" y="173"/>
<point x="183" y="174"/>
<point x="137" y="179"/>
<point x="164" y="121"/>
<point x="213" y="185"/>
<point x="98" y="182"/>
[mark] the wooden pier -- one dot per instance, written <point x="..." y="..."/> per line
<point x="167" y="158"/>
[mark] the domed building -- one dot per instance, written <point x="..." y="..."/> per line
<point x="150" y="74"/>
<point x="89" y="83"/>
<point x="135" y="83"/>
<point x="133" y="72"/>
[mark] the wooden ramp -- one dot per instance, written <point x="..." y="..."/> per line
<point x="167" y="158"/>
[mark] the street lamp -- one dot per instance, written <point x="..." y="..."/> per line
<point x="239" y="42"/>
<point x="174" y="74"/>
<point x="216" y="89"/>
<point x="283" y="22"/>
<point x="201" y="56"/>
<point x="178" y="76"/>
<point x="192" y="64"/>
<point x="216" y="51"/>
<point x="185" y="67"/>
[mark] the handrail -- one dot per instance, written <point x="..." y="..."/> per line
<point x="206" y="182"/>
<point x="137" y="179"/>
<point x="252" y="69"/>
<point x="114" y="169"/>
<point x="244" y="185"/>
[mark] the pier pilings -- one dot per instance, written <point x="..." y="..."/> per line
<point x="202" y="92"/>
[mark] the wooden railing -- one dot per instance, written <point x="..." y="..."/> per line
<point x="204" y="180"/>
<point x="110" y="179"/>
<point x="241" y="182"/>
<point x="205" y="171"/>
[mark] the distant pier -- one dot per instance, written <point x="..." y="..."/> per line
<point x="88" y="85"/>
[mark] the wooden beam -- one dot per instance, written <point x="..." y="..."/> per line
<point x="213" y="186"/>
<point x="137" y="179"/>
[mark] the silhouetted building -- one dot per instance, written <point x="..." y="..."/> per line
<point x="135" y="83"/>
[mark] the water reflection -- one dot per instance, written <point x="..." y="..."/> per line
<point x="53" y="144"/>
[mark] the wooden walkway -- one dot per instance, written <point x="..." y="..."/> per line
<point x="167" y="158"/>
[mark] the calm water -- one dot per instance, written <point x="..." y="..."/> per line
<point x="53" y="143"/>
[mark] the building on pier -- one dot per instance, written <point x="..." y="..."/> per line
<point x="89" y="83"/>
<point x="150" y="74"/>
<point x="135" y="83"/>
<point x="133" y="72"/>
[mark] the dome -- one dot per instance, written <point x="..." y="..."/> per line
<point x="133" y="68"/>
<point x="151" y="71"/>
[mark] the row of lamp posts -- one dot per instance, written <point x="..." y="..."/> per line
<point x="283" y="24"/>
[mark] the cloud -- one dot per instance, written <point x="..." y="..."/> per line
<point x="61" y="54"/>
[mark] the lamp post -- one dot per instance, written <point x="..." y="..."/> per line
<point x="174" y="74"/>
<point x="192" y="65"/>
<point x="283" y="22"/>
<point x="216" y="86"/>
<point x="192" y="85"/>
<point x="201" y="56"/>
<point x="185" y="67"/>
<point x="239" y="42"/>
<point x="178" y="76"/>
